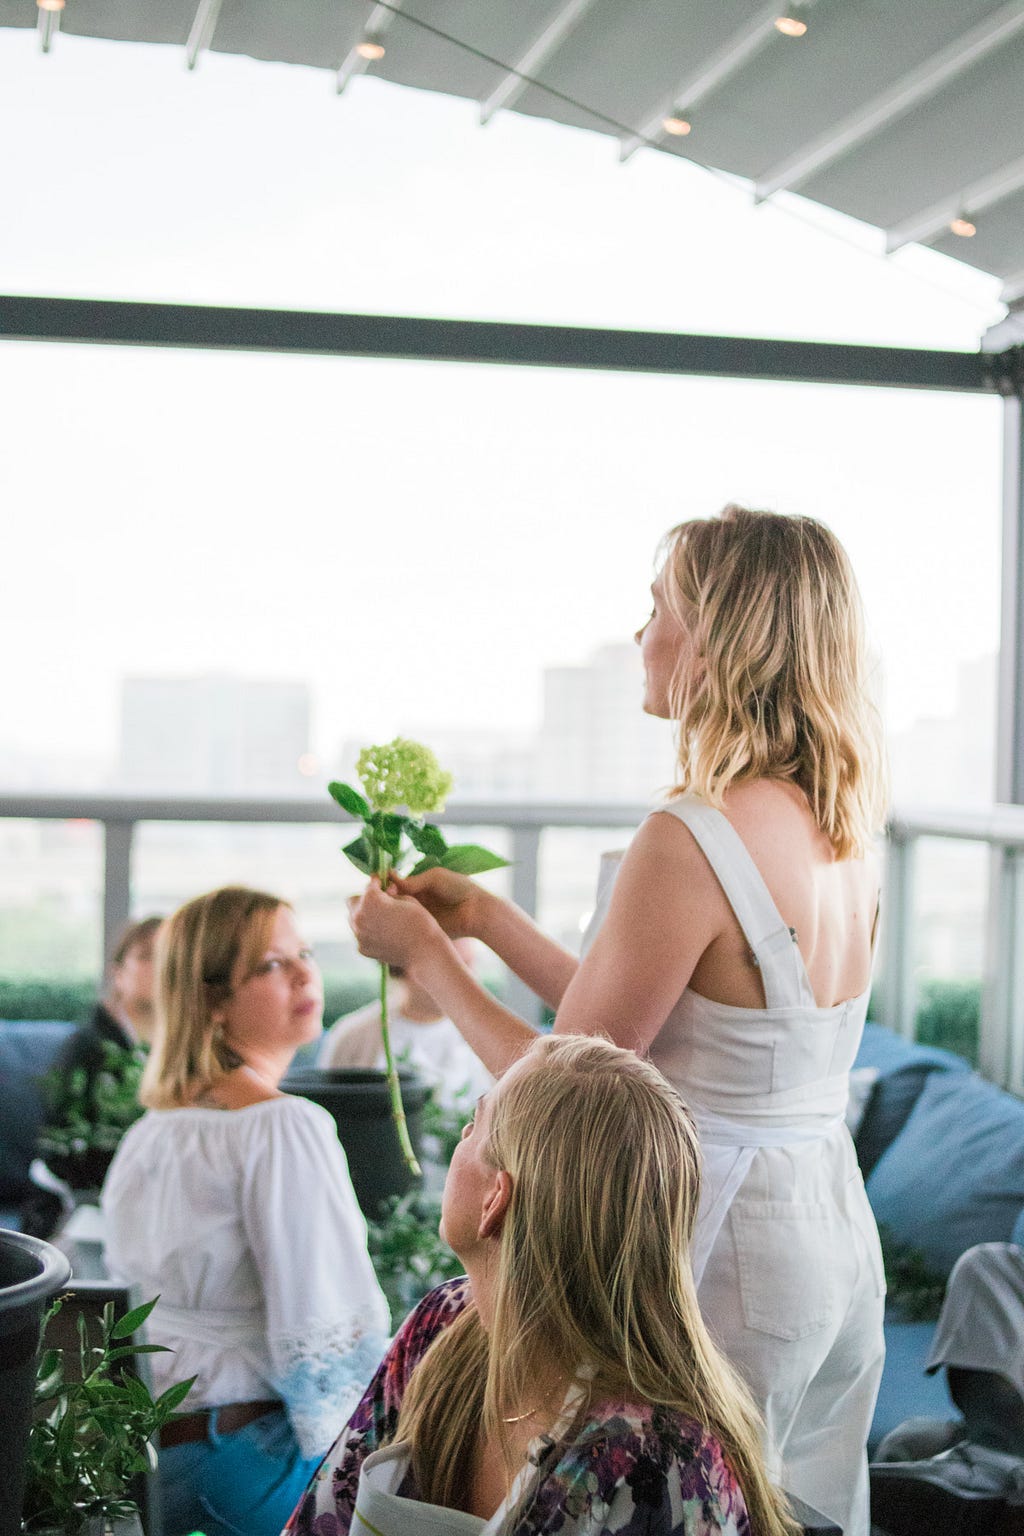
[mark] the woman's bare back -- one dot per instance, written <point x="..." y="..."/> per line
<point x="830" y="903"/>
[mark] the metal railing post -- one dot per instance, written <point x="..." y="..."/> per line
<point x="117" y="881"/>
<point x="899" y="990"/>
<point x="525" y="887"/>
<point x="1013" y="1055"/>
<point x="1000" y="1046"/>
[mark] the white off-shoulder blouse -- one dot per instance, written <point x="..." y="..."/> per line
<point x="245" y="1224"/>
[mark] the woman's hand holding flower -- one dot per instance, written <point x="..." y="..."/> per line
<point x="392" y="928"/>
<point x="455" y="901"/>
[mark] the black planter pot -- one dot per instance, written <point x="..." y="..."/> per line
<point x="358" y="1100"/>
<point x="30" y="1273"/>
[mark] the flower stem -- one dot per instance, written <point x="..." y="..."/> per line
<point x="394" y="1086"/>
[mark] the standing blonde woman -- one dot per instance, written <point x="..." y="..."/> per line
<point x="568" y="1383"/>
<point x="733" y="946"/>
<point x="232" y="1202"/>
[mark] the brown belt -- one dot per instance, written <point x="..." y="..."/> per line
<point x="196" y="1426"/>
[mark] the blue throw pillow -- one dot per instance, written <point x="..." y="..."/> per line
<point x="904" y="1067"/>
<point x="1017" y="1235"/>
<point x="27" y="1052"/>
<point x="955" y="1174"/>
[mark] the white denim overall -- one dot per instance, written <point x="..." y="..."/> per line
<point x="786" y="1252"/>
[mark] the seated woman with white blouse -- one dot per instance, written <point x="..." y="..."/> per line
<point x="232" y="1202"/>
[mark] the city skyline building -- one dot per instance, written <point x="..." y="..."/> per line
<point x="215" y="734"/>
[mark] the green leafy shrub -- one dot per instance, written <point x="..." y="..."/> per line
<point x="913" y="1289"/>
<point x="70" y="998"/>
<point x="344" y="994"/>
<point x="42" y="997"/>
<point x="948" y="1015"/>
<point x="408" y="1254"/>
<point x="87" y="1113"/>
<point x="93" y="1436"/>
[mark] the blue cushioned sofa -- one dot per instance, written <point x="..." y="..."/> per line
<point x="28" y="1049"/>
<point x="942" y="1153"/>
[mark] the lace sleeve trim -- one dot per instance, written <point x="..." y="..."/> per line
<point x="322" y="1372"/>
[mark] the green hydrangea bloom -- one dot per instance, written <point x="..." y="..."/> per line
<point x="403" y="773"/>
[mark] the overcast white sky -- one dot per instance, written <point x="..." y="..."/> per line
<point x="418" y="541"/>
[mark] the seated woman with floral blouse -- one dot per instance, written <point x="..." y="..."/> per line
<point x="568" y="1382"/>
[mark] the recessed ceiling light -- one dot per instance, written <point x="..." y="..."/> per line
<point x="677" y="126"/>
<point x="963" y="227"/>
<point x="790" y="26"/>
<point x="368" y="49"/>
<point x="50" y="5"/>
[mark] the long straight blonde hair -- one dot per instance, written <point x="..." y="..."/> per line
<point x="197" y="953"/>
<point x="780" y="688"/>
<point x="593" y="1269"/>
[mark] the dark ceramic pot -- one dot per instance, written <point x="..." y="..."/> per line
<point x="31" y="1272"/>
<point x="358" y="1100"/>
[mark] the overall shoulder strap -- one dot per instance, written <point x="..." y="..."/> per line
<point x="772" y="942"/>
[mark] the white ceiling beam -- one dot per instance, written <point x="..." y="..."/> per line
<point x="377" y="23"/>
<point x="896" y="102"/>
<point x="1013" y="288"/>
<point x="544" y="46"/>
<point x="936" y="219"/>
<point x="743" y="46"/>
<point x="204" y="25"/>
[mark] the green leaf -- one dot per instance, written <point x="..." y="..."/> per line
<point x="50" y="1375"/>
<point x="170" y="1399"/>
<point x="127" y="1350"/>
<point x="425" y="864"/>
<point x="133" y="1320"/>
<point x="471" y="859"/>
<point x="427" y="839"/>
<point x="349" y="799"/>
<point x="360" y="854"/>
<point x="387" y="831"/>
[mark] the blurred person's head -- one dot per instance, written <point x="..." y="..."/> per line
<point x="131" y="977"/>
<point x="757" y="649"/>
<point x="236" y="985"/>
<point x="572" y="1200"/>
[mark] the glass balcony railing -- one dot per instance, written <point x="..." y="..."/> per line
<point x="73" y="869"/>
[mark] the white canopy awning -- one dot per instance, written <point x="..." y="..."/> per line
<point x="909" y="116"/>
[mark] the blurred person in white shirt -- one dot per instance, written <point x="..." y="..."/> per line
<point x="422" y="1037"/>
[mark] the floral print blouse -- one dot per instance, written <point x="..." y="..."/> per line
<point x="631" y="1470"/>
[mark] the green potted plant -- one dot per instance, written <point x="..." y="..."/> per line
<point x="88" y="1113"/>
<point x="93" y="1436"/>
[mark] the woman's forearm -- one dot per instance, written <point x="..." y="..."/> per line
<point x="496" y="1034"/>
<point x="545" y="966"/>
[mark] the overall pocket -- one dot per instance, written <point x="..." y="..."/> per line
<point x="783" y="1256"/>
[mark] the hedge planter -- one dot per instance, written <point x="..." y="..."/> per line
<point x="31" y="1272"/>
<point x="357" y="1098"/>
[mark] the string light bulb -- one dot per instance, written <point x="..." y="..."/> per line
<point x="962" y="227"/>
<point x="370" y="50"/>
<point x="790" y="26"/>
<point x="678" y="127"/>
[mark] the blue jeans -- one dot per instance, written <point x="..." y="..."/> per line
<point x="243" y="1484"/>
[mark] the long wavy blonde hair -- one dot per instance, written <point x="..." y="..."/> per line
<point x="592" y="1268"/>
<point x="781" y="688"/>
<point x="196" y="955"/>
